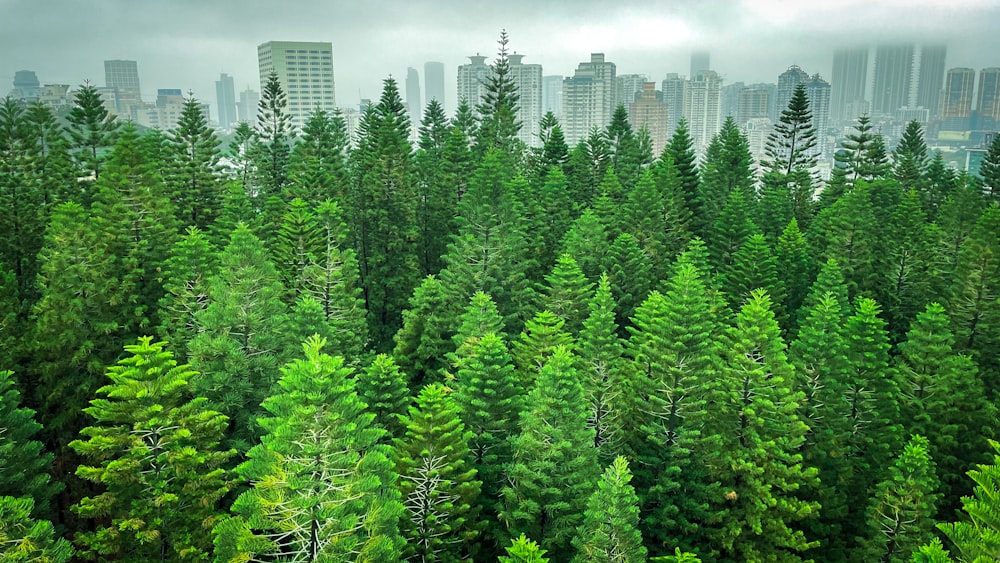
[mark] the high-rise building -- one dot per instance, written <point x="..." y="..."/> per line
<point x="166" y="112"/>
<point x="528" y="79"/>
<point x="26" y="85"/>
<point x="552" y="95"/>
<point x="225" y="96"/>
<point x="673" y="87"/>
<point x="893" y="78"/>
<point x="699" y="62"/>
<point x="703" y="107"/>
<point x="305" y="71"/>
<point x="754" y="102"/>
<point x="247" y="108"/>
<point x="787" y="82"/>
<point x="434" y="83"/>
<point x="988" y="104"/>
<point x="649" y="111"/>
<point x="850" y="75"/>
<point x="818" y="92"/>
<point x="930" y="78"/>
<point x="731" y="99"/>
<point x="413" y="104"/>
<point x="123" y="75"/>
<point x="956" y="102"/>
<point x="588" y="97"/>
<point x="627" y="88"/>
<point x="472" y="79"/>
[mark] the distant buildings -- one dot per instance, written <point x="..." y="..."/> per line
<point x="703" y="107"/>
<point x="528" y="79"/>
<point x="956" y="102"/>
<point x="588" y="98"/>
<point x="166" y="112"/>
<point x="847" y="85"/>
<point x="627" y="87"/>
<point x="434" y="83"/>
<point x="699" y="62"/>
<point x="305" y="71"/>
<point x="673" y="95"/>
<point x="755" y="101"/>
<point x="988" y="103"/>
<point x="787" y="82"/>
<point x="929" y="79"/>
<point x="818" y="92"/>
<point x="225" y="96"/>
<point x="471" y="80"/>
<point x="892" y="79"/>
<point x="124" y="77"/>
<point x="413" y="105"/>
<point x="649" y="111"/>
<point x="552" y="93"/>
<point x="247" y="108"/>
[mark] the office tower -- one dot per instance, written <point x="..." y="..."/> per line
<point x="305" y="71"/>
<point x="225" y="95"/>
<point x="472" y="78"/>
<point x="703" y="107"/>
<point x="552" y="95"/>
<point x="434" y="83"/>
<point x="787" y="82"/>
<point x="123" y="75"/>
<point x="673" y="87"/>
<point x="528" y="80"/>
<point x="249" y="99"/>
<point x="26" y="85"/>
<point x="754" y="102"/>
<point x="649" y="111"/>
<point x="956" y="103"/>
<point x="731" y="99"/>
<point x="850" y="75"/>
<point x="588" y="97"/>
<point x="930" y="78"/>
<point x="699" y="62"/>
<point x="988" y="104"/>
<point x="413" y="104"/>
<point x="627" y="87"/>
<point x="892" y="79"/>
<point x="818" y="92"/>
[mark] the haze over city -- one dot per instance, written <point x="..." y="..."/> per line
<point x="186" y="43"/>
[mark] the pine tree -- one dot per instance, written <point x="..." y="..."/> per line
<point x="92" y="129"/>
<point x="727" y="167"/>
<point x="383" y="389"/>
<point x="901" y="514"/>
<point x="586" y="242"/>
<point x="423" y="341"/>
<point x="498" y="124"/>
<point x="26" y="539"/>
<point x="542" y="335"/>
<point x="241" y="153"/>
<point x="272" y="148"/>
<point x="610" y="530"/>
<point x="317" y="166"/>
<point x="680" y="148"/>
<point x="436" y="480"/>
<point x="757" y="460"/>
<point x="26" y="465"/>
<point x="157" y="455"/>
<point x="630" y="273"/>
<point x="910" y="158"/>
<point x="609" y="203"/>
<point x="845" y="232"/>
<point x="977" y="538"/>
<point x="186" y="272"/>
<point x="755" y="267"/>
<point x="731" y="230"/>
<point x="436" y="163"/>
<point x="600" y="357"/>
<point x="322" y="488"/>
<point x="567" y="293"/>
<point x="856" y="145"/>
<point x="51" y="165"/>
<point x="792" y="144"/>
<point x="523" y="550"/>
<point x="990" y="171"/>
<point x="554" y="464"/>
<point x="795" y="268"/>
<point x="941" y="182"/>
<point x="194" y="173"/>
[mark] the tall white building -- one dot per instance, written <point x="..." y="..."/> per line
<point x="472" y="79"/>
<point x="552" y="87"/>
<point x="305" y="71"/>
<point x="819" y="93"/>
<point x="673" y="95"/>
<point x="588" y="98"/>
<point x="703" y="107"/>
<point x="528" y="79"/>
<point x="627" y="88"/>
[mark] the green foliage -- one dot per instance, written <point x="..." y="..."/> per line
<point x="727" y="167"/>
<point x="610" y="529"/>
<point x="680" y="149"/>
<point x="523" y="550"/>
<point x="977" y="539"/>
<point x="317" y="166"/>
<point x="272" y="146"/>
<point x="437" y="483"/>
<point x="441" y="165"/>
<point x="542" y="335"/>
<point x="423" y="341"/>
<point x="26" y="465"/>
<point x="92" y="129"/>
<point x="156" y="453"/>
<point x="910" y="158"/>
<point x="498" y="124"/>
<point x="792" y="144"/>
<point x="600" y="357"/>
<point x="383" y="389"/>
<point x="321" y="486"/>
<point x="194" y="175"/>
<point x="990" y="171"/>
<point x="27" y="540"/>
<point x="630" y="272"/>
<point x="192" y="262"/>
<point x="586" y="242"/>
<point x="567" y="293"/>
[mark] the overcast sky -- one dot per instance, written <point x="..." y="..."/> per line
<point x="187" y="43"/>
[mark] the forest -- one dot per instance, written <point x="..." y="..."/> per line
<point x="307" y="347"/>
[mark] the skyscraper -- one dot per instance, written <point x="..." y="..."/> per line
<point x="787" y="82"/>
<point x="893" y="78"/>
<point x="247" y="108"/>
<point x="552" y="95"/>
<point x="673" y="95"/>
<point x="413" y="104"/>
<point x="847" y="86"/>
<point x="528" y="79"/>
<point x="627" y="87"/>
<point x="818" y="92"/>
<point x="434" y="83"/>
<point x="123" y="75"/>
<point x="956" y="105"/>
<point x="225" y="96"/>
<point x="731" y="99"/>
<point x="471" y="80"/>
<point x="703" y="107"/>
<point x="931" y="77"/>
<point x="588" y="97"/>
<point x="305" y="71"/>
<point x="649" y="111"/>
<point x="988" y="104"/>
<point x="754" y="102"/>
<point x="26" y="85"/>
<point x="699" y="62"/>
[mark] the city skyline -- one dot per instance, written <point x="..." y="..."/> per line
<point x="747" y="41"/>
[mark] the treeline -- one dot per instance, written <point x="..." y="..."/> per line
<point x="302" y="348"/>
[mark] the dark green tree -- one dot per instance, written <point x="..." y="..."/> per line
<point x="990" y="171"/>
<point x="680" y="149"/>
<point x="26" y="464"/>
<point x="630" y="274"/>
<point x="439" y="161"/>
<point x="792" y="144"/>
<point x="586" y="242"/>
<point x="317" y="166"/>
<point x="727" y="167"/>
<point x="910" y="158"/>
<point x="424" y="339"/>
<point x="600" y="366"/>
<point x="498" y="124"/>
<point x="92" y="129"/>
<point x="193" y="174"/>
<point x="273" y="145"/>
<point x="977" y="537"/>
<point x="567" y="293"/>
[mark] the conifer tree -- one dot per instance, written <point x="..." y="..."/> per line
<point x="610" y="529"/>
<point x="650" y="215"/>
<point x="901" y="514"/>
<point x="829" y="280"/>
<point x="792" y="144"/>
<point x="977" y="536"/>
<point x="322" y="488"/>
<point x="731" y="230"/>
<point x="941" y="181"/>
<point x="436" y="480"/>
<point x="498" y="124"/>
<point x="157" y="455"/>
<point x="193" y="173"/>
<point x="26" y="465"/>
<point x="26" y="539"/>
<point x="383" y="389"/>
<point x="424" y="339"/>
<point x="846" y="232"/>
<point x="609" y="203"/>
<point x="630" y="273"/>
<point x="795" y="268"/>
<point x="567" y="293"/>
<point x="192" y="261"/>
<point x="51" y="165"/>
<point x="92" y="129"/>
<point x="554" y="464"/>
<point x="600" y="357"/>
<point x="439" y="163"/>
<point x="273" y="145"/>
<point x="542" y="335"/>
<point x="727" y="167"/>
<point x="298" y="241"/>
<point x="317" y="165"/>
<point x="241" y="153"/>
<point x="910" y="158"/>
<point x="586" y="242"/>
<point x="523" y="550"/>
<point x="990" y="171"/>
<point x="755" y="267"/>
<point x="680" y="148"/>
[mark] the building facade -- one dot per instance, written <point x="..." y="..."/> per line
<point x="627" y="87"/>
<point x="819" y="92"/>
<point x="472" y="79"/>
<point x="788" y="81"/>
<point x="528" y="79"/>
<point x="892" y="79"/>
<point x="124" y="76"/>
<point x="956" y="99"/>
<point x="754" y="102"/>
<point x="930" y="78"/>
<point x="847" y="85"/>
<point x="552" y="87"/>
<point x="247" y="108"/>
<point x="413" y="103"/>
<point x="703" y="107"/>
<point x="588" y="97"/>
<point x="649" y="111"/>
<point x="305" y="71"/>
<point x="673" y="87"/>
<point x="225" y="96"/>
<point x="434" y="83"/>
<point x="988" y="102"/>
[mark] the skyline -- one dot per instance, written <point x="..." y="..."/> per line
<point x="193" y="43"/>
